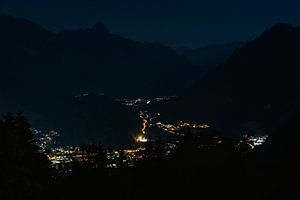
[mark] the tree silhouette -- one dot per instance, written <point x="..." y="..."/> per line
<point x="160" y="151"/>
<point x="96" y="156"/>
<point x="122" y="159"/>
<point x="24" y="171"/>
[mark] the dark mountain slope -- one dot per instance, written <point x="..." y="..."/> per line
<point x="259" y="83"/>
<point x="42" y="71"/>
<point x="209" y="57"/>
<point x="89" y="59"/>
<point x="87" y="119"/>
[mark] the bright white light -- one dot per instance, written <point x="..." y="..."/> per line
<point x="141" y="138"/>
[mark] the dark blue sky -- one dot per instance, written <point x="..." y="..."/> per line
<point x="172" y="22"/>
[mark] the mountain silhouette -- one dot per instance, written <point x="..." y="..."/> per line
<point x="259" y="84"/>
<point x="90" y="59"/>
<point x="209" y="57"/>
<point x="43" y="71"/>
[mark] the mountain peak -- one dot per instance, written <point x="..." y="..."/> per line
<point x="278" y="32"/>
<point x="99" y="26"/>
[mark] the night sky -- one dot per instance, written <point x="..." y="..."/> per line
<point x="192" y="23"/>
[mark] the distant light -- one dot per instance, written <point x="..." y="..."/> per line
<point x="142" y="139"/>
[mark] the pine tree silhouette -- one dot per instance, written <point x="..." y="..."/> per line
<point x="24" y="171"/>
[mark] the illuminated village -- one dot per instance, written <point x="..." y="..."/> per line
<point x="63" y="157"/>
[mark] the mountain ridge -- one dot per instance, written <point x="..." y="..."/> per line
<point x="94" y="49"/>
<point x="258" y="83"/>
<point x="43" y="71"/>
